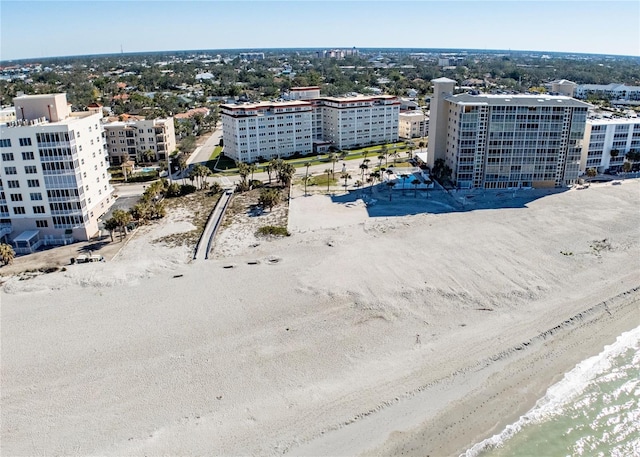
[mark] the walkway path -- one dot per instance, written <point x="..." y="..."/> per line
<point x="205" y="245"/>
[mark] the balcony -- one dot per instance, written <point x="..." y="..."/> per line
<point x="5" y="229"/>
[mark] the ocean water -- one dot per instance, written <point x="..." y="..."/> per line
<point x="593" y="411"/>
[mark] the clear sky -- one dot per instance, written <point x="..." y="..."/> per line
<point x="31" y="29"/>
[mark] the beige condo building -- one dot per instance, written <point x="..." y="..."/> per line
<point x="127" y="140"/>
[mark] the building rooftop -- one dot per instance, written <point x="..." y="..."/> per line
<point x="258" y="105"/>
<point x="516" y="100"/>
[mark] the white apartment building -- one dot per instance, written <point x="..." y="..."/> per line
<point x="280" y="129"/>
<point x="613" y="91"/>
<point x="266" y="130"/>
<point x="506" y="141"/>
<point x="303" y="93"/>
<point x="362" y="120"/>
<point x="412" y="124"/>
<point x="54" y="184"/>
<point x="127" y="140"/>
<point x="602" y="136"/>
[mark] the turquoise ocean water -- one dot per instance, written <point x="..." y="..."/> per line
<point x="593" y="411"/>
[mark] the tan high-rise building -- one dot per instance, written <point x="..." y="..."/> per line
<point x="442" y="87"/>
<point x="508" y="141"/>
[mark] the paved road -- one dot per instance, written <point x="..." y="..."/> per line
<point x="202" y="153"/>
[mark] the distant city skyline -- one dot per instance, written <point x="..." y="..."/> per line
<point x="41" y="29"/>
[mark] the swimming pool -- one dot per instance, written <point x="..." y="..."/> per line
<point x="149" y="169"/>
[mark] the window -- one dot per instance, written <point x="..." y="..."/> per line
<point x="42" y="224"/>
<point x="6" y="156"/>
<point x="38" y="210"/>
<point x="16" y="197"/>
<point x="10" y="171"/>
<point x="19" y="210"/>
<point x="25" y="141"/>
<point x="5" y="143"/>
<point x="35" y="196"/>
<point x="33" y="183"/>
<point x="27" y="155"/>
<point x="13" y="183"/>
<point x="30" y="169"/>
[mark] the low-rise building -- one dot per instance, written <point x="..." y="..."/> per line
<point x="611" y="91"/>
<point x="54" y="184"/>
<point x="412" y="124"/>
<point x="129" y="139"/>
<point x="607" y="141"/>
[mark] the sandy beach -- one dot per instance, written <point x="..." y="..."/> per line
<point x="412" y="327"/>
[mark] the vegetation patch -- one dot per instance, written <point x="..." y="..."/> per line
<point x="273" y="230"/>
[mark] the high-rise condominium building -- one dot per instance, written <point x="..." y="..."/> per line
<point x="267" y="130"/>
<point x="127" y="140"/>
<point x="506" y="141"/>
<point x="280" y="129"/>
<point x="54" y="183"/>
<point x="607" y="141"/>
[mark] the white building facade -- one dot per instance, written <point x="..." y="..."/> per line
<point x="127" y="140"/>
<point x="605" y="135"/>
<point x="510" y="141"/>
<point x="352" y="122"/>
<point x="255" y="131"/>
<point x="612" y="91"/>
<point x="53" y="171"/>
<point x="267" y="130"/>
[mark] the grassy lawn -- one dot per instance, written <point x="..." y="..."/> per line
<point x="369" y="152"/>
<point x="321" y="180"/>
<point x="216" y="152"/>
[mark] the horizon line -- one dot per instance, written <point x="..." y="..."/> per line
<point x="486" y="50"/>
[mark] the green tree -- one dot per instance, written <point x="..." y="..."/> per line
<point x="333" y="157"/>
<point x="269" y="198"/>
<point x="286" y="172"/>
<point x="384" y="151"/>
<point x="122" y="218"/>
<point x="111" y="225"/>
<point x="592" y="172"/>
<point x="7" y="254"/>
<point x="328" y="171"/>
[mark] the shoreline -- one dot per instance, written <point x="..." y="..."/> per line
<point x="380" y="336"/>
<point x="480" y="412"/>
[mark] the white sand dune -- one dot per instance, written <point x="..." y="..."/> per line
<point x="357" y="335"/>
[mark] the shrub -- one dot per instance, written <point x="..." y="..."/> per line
<point x="173" y="190"/>
<point x="275" y="230"/>
<point x="186" y="189"/>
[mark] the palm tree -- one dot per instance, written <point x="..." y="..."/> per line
<point x="306" y="180"/>
<point x="395" y="154"/>
<point x="380" y="159"/>
<point x="404" y="177"/>
<point x="334" y="158"/>
<point x="182" y="165"/>
<point x="384" y="151"/>
<point x="328" y="171"/>
<point x="390" y="185"/>
<point x="7" y="254"/>
<point x="363" y="167"/>
<point x="269" y="198"/>
<point x="614" y="153"/>
<point x="122" y="218"/>
<point x="345" y="176"/>
<point x="287" y="170"/>
<point x="243" y="171"/>
<point x="375" y="175"/>
<point x="592" y="172"/>
<point x="111" y="225"/>
<point x="307" y="165"/>
<point x="415" y="183"/>
<point x="252" y="168"/>
<point x="269" y="169"/>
